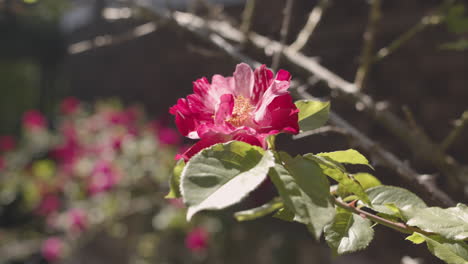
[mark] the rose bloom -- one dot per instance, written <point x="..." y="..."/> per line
<point x="7" y="143"/>
<point x="247" y="107"/>
<point x="52" y="248"/>
<point x="34" y="120"/>
<point x="197" y="240"/>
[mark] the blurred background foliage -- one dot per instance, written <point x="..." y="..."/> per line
<point x="38" y="69"/>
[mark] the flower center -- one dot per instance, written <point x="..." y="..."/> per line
<point x="241" y="112"/>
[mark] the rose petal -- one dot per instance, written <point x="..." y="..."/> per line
<point x="263" y="79"/>
<point x="244" y="79"/>
<point x="224" y="110"/>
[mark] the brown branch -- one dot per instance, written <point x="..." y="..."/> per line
<point x="206" y="31"/>
<point x="368" y="47"/>
<point x="287" y="13"/>
<point x="314" y="19"/>
<point x="398" y="226"/>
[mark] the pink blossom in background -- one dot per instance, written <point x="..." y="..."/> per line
<point x="69" y="105"/>
<point x="70" y="149"/>
<point x="126" y="118"/>
<point x="49" y="204"/>
<point x="197" y="240"/>
<point x="102" y="178"/>
<point x="52" y="248"/>
<point x="169" y="136"/>
<point x="78" y="219"/>
<point x="247" y="107"/>
<point x="34" y="120"/>
<point x="7" y="143"/>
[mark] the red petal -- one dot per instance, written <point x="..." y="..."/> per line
<point x="263" y="79"/>
<point x="283" y="75"/>
<point x="281" y="115"/>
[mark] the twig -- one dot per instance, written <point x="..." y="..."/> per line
<point x="321" y="130"/>
<point x="408" y="35"/>
<point x="460" y="125"/>
<point x="107" y="40"/>
<point x="428" y="20"/>
<point x="368" y="47"/>
<point x="398" y="226"/>
<point x="287" y="13"/>
<point x="247" y="16"/>
<point x="412" y="122"/>
<point x="314" y="19"/>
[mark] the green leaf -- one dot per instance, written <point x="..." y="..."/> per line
<point x="305" y="191"/>
<point x="452" y="252"/>
<point x="385" y="199"/>
<point x="222" y="175"/>
<point x="312" y="114"/>
<point x="416" y="238"/>
<point x="367" y="180"/>
<point x="349" y="156"/>
<point x="337" y="172"/>
<point x="348" y="232"/>
<point x="260" y="211"/>
<point x="451" y="223"/>
<point x="174" y="181"/>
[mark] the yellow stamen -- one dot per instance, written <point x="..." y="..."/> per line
<point x="241" y="112"/>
